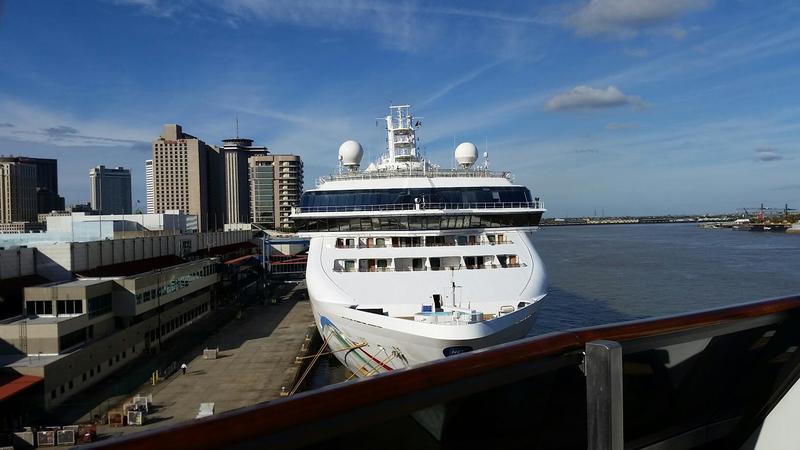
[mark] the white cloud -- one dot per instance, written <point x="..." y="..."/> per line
<point x="38" y="125"/>
<point x="456" y="83"/>
<point x="766" y="154"/>
<point x="625" y="18"/>
<point x="585" y="97"/>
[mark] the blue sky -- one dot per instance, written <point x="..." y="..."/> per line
<point x="621" y="106"/>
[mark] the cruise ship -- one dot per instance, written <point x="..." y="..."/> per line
<point x="410" y="262"/>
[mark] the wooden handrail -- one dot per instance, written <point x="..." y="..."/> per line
<point x="250" y="423"/>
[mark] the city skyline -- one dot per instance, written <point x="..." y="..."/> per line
<point x="642" y="107"/>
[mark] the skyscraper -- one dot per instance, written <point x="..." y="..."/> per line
<point x="148" y="176"/>
<point x="276" y="182"/>
<point x="236" y="152"/>
<point x="47" y="198"/>
<point x="110" y="190"/>
<point x="17" y="190"/>
<point x="188" y="176"/>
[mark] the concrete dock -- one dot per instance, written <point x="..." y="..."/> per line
<point x="256" y="358"/>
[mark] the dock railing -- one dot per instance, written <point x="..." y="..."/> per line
<point x="704" y="379"/>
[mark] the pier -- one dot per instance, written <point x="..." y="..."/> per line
<point x="256" y="360"/>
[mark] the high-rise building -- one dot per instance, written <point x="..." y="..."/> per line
<point x="236" y="152"/>
<point x="110" y="190"/>
<point x="148" y="177"/>
<point x="47" y="198"/>
<point x="276" y="182"/>
<point x="17" y="190"/>
<point x="188" y="176"/>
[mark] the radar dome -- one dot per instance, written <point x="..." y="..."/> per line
<point x="350" y="153"/>
<point x="466" y="154"/>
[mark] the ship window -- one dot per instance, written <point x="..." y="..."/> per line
<point x="435" y="263"/>
<point x="380" y="242"/>
<point x="349" y="265"/>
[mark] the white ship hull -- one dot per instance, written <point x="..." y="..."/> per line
<point x="368" y="345"/>
<point x="367" y="342"/>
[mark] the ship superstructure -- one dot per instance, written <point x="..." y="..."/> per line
<point x="409" y="262"/>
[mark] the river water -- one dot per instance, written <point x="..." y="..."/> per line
<point x="610" y="273"/>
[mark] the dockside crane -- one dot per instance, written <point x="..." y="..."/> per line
<point x="763" y="212"/>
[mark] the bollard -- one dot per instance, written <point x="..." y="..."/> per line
<point x="283" y="391"/>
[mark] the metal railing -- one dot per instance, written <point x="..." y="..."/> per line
<point x="418" y="207"/>
<point x="733" y="365"/>
<point x="433" y="269"/>
<point x="438" y="244"/>
<point x="415" y="173"/>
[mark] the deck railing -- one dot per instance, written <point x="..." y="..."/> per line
<point x="434" y="173"/>
<point x="418" y="207"/>
<point x="704" y="379"/>
<point x="425" y="244"/>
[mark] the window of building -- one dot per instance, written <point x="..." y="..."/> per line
<point x="99" y="305"/>
<point x="40" y="307"/>
<point x="69" y="306"/>
<point x="72" y="339"/>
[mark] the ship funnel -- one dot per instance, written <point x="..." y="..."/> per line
<point x="350" y="154"/>
<point x="466" y="154"/>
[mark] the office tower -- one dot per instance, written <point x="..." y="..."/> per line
<point x="110" y="190"/>
<point x="188" y="176"/>
<point x="276" y="182"/>
<point x="47" y="198"/>
<point x="148" y="176"/>
<point x="17" y="190"/>
<point x="236" y="152"/>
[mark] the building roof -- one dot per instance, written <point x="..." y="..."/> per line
<point x="81" y="282"/>
<point x="230" y="248"/>
<point x="14" y="383"/>
<point x="132" y="267"/>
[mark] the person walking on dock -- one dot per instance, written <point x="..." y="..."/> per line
<point x="183" y="368"/>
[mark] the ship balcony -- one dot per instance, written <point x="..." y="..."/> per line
<point x="432" y="264"/>
<point x="422" y="241"/>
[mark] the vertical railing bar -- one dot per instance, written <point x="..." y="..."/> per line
<point x="603" y="368"/>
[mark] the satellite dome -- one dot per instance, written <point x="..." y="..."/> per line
<point x="350" y="153"/>
<point x="466" y="154"/>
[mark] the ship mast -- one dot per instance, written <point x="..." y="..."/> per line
<point x="401" y="137"/>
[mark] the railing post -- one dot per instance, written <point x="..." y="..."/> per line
<point x="603" y="363"/>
